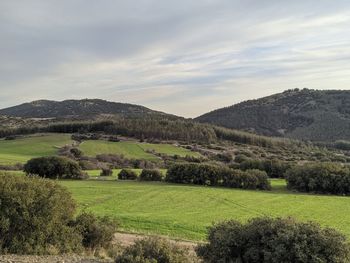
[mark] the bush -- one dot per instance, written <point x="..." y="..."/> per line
<point x="127" y="174"/>
<point x="54" y="168"/>
<point x="273" y="168"/>
<point x="342" y="145"/>
<point x="106" y="172"/>
<point x="34" y="217"/>
<point x="150" y="175"/>
<point x="96" y="232"/>
<point x="273" y="241"/>
<point x="203" y="174"/>
<point x="77" y="153"/>
<point x="155" y="250"/>
<point x="326" y="178"/>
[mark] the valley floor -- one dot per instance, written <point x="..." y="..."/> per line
<point x="185" y="212"/>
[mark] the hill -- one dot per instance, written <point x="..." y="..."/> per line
<point x="301" y="114"/>
<point x="75" y="108"/>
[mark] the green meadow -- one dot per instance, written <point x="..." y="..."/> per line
<point x="179" y="211"/>
<point x="185" y="212"/>
<point x="132" y="149"/>
<point x="23" y="149"/>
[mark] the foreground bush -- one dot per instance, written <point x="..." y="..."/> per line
<point x="203" y="174"/>
<point x="274" y="241"/>
<point x="96" y="232"/>
<point x="127" y="174"/>
<point x="34" y="217"/>
<point x="150" y="175"/>
<point x="37" y="217"/>
<point x="327" y="178"/>
<point x="154" y="250"/>
<point x="54" y="167"/>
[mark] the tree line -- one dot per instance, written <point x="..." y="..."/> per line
<point x="155" y="128"/>
<point x="204" y="174"/>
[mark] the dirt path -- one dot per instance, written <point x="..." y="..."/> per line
<point x="127" y="239"/>
<point x="124" y="239"/>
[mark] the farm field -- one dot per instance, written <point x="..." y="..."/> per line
<point x="132" y="149"/>
<point x="23" y="149"/>
<point x="183" y="211"/>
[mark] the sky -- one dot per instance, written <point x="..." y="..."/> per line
<point x="181" y="57"/>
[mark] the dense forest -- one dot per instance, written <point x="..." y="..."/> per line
<point x="302" y="114"/>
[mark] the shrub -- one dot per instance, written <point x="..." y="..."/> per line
<point x="106" y="172"/>
<point x="96" y="232"/>
<point x="273" y="168"/>
<point x="77" y="153"/>
<point x="342" y="145"/>
<point x="274" y="241"/>
<point x="34" y="217"/>
<point x="224" y="157"/>
<point x="150" y="175"/>
<point x="192" y="173"/>
<point x="54" y="167"/>
<point x="204" y="174"/>
<point x="127" y="174"/>
<point x="324" y="178"/>
<point x="155" y="250"/>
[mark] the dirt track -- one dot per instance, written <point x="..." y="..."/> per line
<point x="124" y="239"/>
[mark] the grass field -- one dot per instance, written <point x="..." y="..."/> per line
<point x="131" y="149"/>
<point x="21" y="150"/>
<point x="185" y="212"/>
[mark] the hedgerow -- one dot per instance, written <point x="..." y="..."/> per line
<point x="203" y="174"/>
<point x="326" y="178"/>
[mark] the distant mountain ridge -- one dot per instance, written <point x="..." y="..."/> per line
<point x="75" y="108"/>
<point x="317" y="115"/>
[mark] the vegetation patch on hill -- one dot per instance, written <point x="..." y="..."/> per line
<point x="317" y="115"/>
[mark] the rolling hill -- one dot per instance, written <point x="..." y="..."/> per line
<point x="301" y="114"/>
<point x="76" y="108"/>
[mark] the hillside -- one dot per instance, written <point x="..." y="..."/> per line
<point x="302" y="114"/>
<point x="75" y="108"/>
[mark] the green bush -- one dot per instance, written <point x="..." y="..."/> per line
<point x="127" y="174"/>
<point x="54" y="167"/>
<point x="273" y="168"/>
<point x="77" y="153"/>
<point x="203" y="174"/>
<point x="154" y="250"/>
<point x="106" y="172"/>
<point x="273" y="241"/>
<point x="96" y="232"/>
<point x="342" y="145"/>
<point x="150" y="175"/>
<point x="326" y="178"/>
<point x="34" y="217"/>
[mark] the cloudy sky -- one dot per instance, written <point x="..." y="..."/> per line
<point x="182" y="57"/>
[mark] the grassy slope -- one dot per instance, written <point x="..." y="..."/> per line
<point x="21" y="150"/>
<point x="185" y="211"/>
<point x="132" y="149"/>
